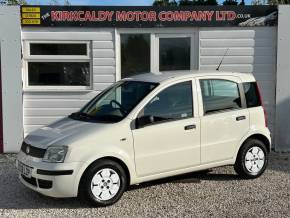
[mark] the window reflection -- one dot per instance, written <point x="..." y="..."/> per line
<point x="58" y="73"/>
<point x="135" y="54"/>
<point x="174" y="54"/>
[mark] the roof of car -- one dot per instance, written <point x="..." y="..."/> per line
<point x="160" y="77"/>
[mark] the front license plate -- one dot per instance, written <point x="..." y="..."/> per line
<point x="24" y="169"/>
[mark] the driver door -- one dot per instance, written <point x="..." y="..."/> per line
<point x="167" y="135"/>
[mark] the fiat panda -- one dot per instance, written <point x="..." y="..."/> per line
<point x="149" y="127"/>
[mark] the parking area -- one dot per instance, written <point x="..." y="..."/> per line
<point x="217" y="192"/>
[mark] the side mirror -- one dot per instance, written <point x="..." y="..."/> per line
<point x="144" y="120"/>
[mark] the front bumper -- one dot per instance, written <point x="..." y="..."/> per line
<point x="51" y="179"/>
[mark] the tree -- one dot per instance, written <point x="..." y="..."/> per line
<point x="242" y="2"/>
<point x="186" y="2"/>
<point x="211" y="2"/>
<point x="258" y="2"/>
<point x="54" y="2"/>
<point x="173" y="3"/>
<point x="13" y="2"/>
<point x="57" y="2"/>
<point x="66" y="2"/>
<point x="230" y="2"/>
<point x="278" y="2"/>
<point x="164" y="3"/>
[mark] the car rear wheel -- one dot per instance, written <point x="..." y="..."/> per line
<point x="252" y="159"/>
<point x="103" y="183"/>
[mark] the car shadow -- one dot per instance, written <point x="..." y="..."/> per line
<point x="195" y="177"/>
<point x="279" y="162"/>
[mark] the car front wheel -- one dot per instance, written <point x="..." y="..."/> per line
<point x="103" y="183"/>
<point x="252" y="159"/>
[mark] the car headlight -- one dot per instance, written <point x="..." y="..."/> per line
<point x="55" y="154"/>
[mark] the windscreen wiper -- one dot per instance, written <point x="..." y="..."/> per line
<point x="80" y="115"/>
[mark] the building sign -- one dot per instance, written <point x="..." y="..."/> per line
<point x="144" y="16"/>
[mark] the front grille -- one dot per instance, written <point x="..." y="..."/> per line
<point x="32" y="151"/>
<point x="31" y="181"/>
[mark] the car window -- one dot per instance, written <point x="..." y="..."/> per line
<point x="174" y="102"/>
<point x="218" y="94"/>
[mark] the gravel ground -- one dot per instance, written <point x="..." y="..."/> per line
<point x="217" y="192"/>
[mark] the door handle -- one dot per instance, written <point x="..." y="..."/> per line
<point x="192" y="126"/>
<point x="240" y="118"/>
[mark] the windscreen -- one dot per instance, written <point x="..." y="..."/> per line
<point x="115" y="103"/>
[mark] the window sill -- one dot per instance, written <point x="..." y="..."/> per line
<point x="81" y="90"/>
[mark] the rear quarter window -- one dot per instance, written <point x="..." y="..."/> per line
<point x="252" y="94"/>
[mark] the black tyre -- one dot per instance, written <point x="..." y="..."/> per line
<point x="103" y="184"/>
<point x="252" y="159"/>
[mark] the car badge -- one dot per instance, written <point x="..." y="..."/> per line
<point x="27" y="150"/>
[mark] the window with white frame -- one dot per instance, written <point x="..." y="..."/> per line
<point x="57" y="64"/>
<point x="156" y="50"/>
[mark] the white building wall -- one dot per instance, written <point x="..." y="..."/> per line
<point x="250" y="50"/>
<point x="10" y="47"/>
<point x="43" y="107"/>
<point x="283" y="77"/>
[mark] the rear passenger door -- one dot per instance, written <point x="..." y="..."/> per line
<point x="224" y="117"/>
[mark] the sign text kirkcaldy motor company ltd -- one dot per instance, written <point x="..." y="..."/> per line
<point x="100" y="16"/>
<point x="93" y="16"/>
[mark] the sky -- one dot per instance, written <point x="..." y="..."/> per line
<point x="107" y="2"/>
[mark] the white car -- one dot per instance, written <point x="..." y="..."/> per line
<point x="149" y="127"/>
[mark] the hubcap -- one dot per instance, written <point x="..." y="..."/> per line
<point x="255" y="159"/>
<point x="105" y="184"/>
